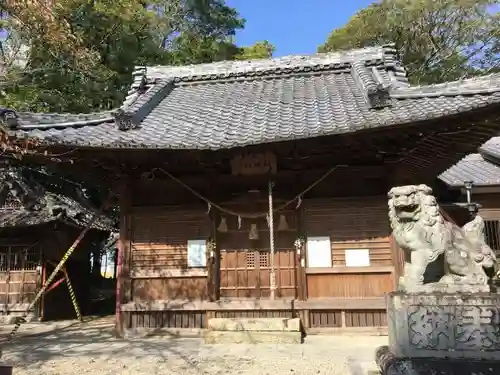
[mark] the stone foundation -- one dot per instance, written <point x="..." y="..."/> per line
<point x="254" y="331"/>
<point x="391" y="365"/>
<point x="442" y="333"/>
<point x="455" y="326"/>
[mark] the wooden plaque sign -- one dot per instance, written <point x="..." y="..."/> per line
<point x="254" y="164"/>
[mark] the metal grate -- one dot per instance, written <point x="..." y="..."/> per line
<point x="263" y="259"/>
<point x="250" y="260"/>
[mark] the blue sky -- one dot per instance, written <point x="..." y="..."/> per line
<point x="293" y="26"/>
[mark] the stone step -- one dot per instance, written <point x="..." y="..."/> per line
<point x="255" y="324"/>
<point x="252" y="337"/>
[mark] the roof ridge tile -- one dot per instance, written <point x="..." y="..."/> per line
<point x="130" y="116"/>
<point x="224" y="69"/>
<point x="488" y="84"/>
<point x="373" y="88"/>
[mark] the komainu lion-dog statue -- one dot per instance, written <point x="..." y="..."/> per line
<point x="439" y="255"/>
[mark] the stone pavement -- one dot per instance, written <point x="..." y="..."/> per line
<point x="71" y="348"/>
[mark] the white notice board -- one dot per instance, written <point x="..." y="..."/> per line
<point x="197" y="253"/>
<point x="357" y="257"/>
<point x="319" y="252"/>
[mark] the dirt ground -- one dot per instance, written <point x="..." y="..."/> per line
<point x="72" y="348"/>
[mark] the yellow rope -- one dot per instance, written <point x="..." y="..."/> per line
<point x="247" y="215"/>
<point x="72" y="296"/>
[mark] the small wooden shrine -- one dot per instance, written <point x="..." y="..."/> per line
<point x="38" y="222"/>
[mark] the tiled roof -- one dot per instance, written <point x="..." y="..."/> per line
<point x="10" y="217"/>
<point x="37" y="205"/>
<point x="482" y="168"/>
<point x="472" y="168"/>
<point x="491" y="149"/>
<point x="230" y="104"/>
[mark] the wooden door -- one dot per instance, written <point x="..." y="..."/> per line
<point x="245" y="264"/>
<point x="19" y="276"/>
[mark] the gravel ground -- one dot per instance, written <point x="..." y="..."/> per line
<point x="89" y="348"/>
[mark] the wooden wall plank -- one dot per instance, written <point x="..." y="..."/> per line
<point x="360" y="223"/>
<point x="159" y="237"/>
<point x="349" y="285"/>
<point x="185" y="288"/>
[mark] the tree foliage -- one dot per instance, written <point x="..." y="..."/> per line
<point x="78" y="55"/>
<point x="257" y="51"/>
<point x="438" y="40"/>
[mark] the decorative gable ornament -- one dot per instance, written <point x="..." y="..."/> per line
<point x="9" y="118"/>
<point x="124" y="120"/>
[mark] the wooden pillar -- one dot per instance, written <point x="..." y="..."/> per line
<point x="272" y="271"/>
<point x="123" y="282"/>
<point x="300" y="259"/>
<point x="213" y="278"/>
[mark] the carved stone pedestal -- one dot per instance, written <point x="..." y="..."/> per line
<point x="391" y="365"/>
<point x="439" y="333"/>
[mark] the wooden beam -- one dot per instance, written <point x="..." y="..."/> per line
<point x="55" y="285"/>
<point x="366" y="303"/>
<point x="347" y="270"/>
<point x="250" y="304"/>
<point x="167" y="273"/>
<point x="287" y="183"/>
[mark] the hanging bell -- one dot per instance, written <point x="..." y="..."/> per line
<point x="222" y="226"/>
<point x="282" y="225"/>
<point x="254" y="232"/>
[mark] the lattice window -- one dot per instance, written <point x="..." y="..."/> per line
<point x="17" y="258"/>
<point x="263" y="259"/>
<point x="492" y="234"/>
<point x="250" y="260"/>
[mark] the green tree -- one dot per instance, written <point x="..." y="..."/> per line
<point x="438" y="40"/>
<point x="259" y="50"/>
<point x="79" y="54"/>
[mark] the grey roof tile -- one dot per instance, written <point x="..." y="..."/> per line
<point x="231" y="104"/>
<point x="21" y="217"/>
<point x="281" y="65"/>
<point x="39" y="121"/>
<point x="37" y="205"/>
<point x="472" y="168"/>
<point x="491" y="149"/>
